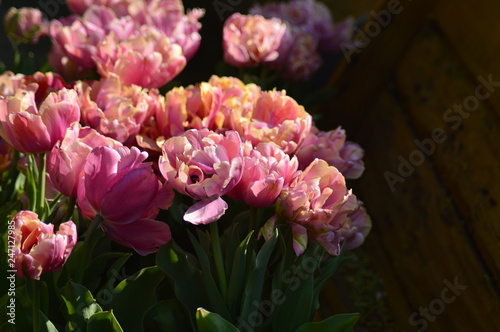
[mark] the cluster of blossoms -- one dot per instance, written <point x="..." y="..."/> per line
<point x="287" y="37"/>
<point x="146" y="43"/>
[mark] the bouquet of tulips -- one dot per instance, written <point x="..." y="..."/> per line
<point x="132" y="205"/>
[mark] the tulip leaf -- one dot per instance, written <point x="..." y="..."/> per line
<point x="255" y="282"/>
<point x="238" y="276"/>
<point x="46" y="324"/>
<point x="103" y="321"/>
<point x="101" y="264"/>
<point x="168" y="315"/>
<point x="209" y="322"/>
<point x="130" y="309"/>
<point x="80" y="305"/>
<point x="186" y="278"/>
<point x="337" y="323"/>
<point x="216" y="299"/>
<point x="326" y="273"/>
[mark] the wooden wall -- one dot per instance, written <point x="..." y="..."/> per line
<point x="440" y="223"/>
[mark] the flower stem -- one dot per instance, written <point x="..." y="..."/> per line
<point x="42" y="175"/>
<point x="219" y="264"/>
<point x="31" y="178"/>
<point x="88" y="246"/>
<point x="35" y="304"/>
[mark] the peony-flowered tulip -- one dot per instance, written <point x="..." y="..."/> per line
<point x="33" y="129"/>
<point x="149" y="60"/>
<point x="37" y="248"/>
<point x="122" y="189"/>
<point x="356" y="228"/>
<point x="266" y="169"/>
<point x="275" y="118"/>
<point x="332" y="147"/>
<point x="316" y="206"/>
<point x="115" y="109"/>
<point x="25" y="25"/>
<point x="249" y="40"/>
<point x="66" y="160"/>
<point x="203" y="165"/>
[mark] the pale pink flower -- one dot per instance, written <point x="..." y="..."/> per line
<point x="10" y="82"/>
<point x="316" y="206"/>
<point x="266" y="170"/>
<point x="202" y="106"/>
<point x="121" y="188"/>
<point x="249" y="40"/>
<point x="149" y="60"/>
<point x="171" y="116"/>
<point x="116" y="109"/>
<point x="332" y="147"/>
<point x="186" y="33"/>
<point x="25" y="25"/>
<point x="37" y="249"/>
<point x="67" y="158"/>
<point x="275" y="118"/>
<point x="34" y="129"/>
<point x="203" y="165"/>
<point x="65" y="66"/>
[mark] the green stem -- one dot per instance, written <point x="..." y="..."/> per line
<point x="219" y="263"/>
<point x="32" y="185"/>
<point x="35" y="302"/>
<point x="71" y="208"/>
<point x="88" y="246"/>
<point x="42" y="175"/>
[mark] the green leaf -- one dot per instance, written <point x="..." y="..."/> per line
<point x="326" y="273"/>
<point x="167" y="315"/>
<point x="337" y="323"/>
<point x="186" y="278"/>
<point x="80" y="305"/>
<point x="211" y="322"/>
<point x="101" y="264"/>
<point x="103" y="321"/>
<point x="46" y="324"/>
<point x="255" y="282"/>
<point x="238" y="277"/>
<point x="216" y="300"/>
<point x="134" y="296"/>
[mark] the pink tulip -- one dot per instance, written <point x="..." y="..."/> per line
<point x="37" y="249"/>
<point x="121" y="188"/>
<point x="172" y="116"/>
<point x="275" y="118"/>
<point x="149" y="60"/>
<point x="115" y="109"/>
<point x="186" y="33"/>
<point x="249" y="40"/>
<point x="47" y="83"/>
<point x="203" y="165"/>
<point x="67" y="158"/>
<point x="316" y="206"/>
<point x="356" y="228"/>
<point x="10" y="82"/>
<point x="65" y="66"/>
<point x="33" y="129"/>
<point x="332" y="147"/>
<point x="266" y="169"/>
<point x="25" y="25"/>
<point x="202" y="106"/>
<point x="80" y="6"/>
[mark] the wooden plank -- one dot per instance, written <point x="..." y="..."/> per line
<point x="473" y="28"/>
<point x="432" y="80"/>
<point x="418" y="240"/>
<point x="360" y="81"/>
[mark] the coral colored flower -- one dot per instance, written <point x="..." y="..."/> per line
<point x="249" y="40"/>
<point x="203" y="165"/>
<point x="266" y="169"/>
<point x="115" y="109"/>
<point x="172" y="115"/>
<point x="149" y="60"/>
<point x="332" y="147"/>
<point x="202" y="106"/>
<point x="118" y="186"/>
<point x="47" y="83"/>
<point x="316" y="206"/>
<point x="10" y="82"/>
<point x="275" y="118"/>
<point x="33" y="129"/>
<point x="25" y="25"/>
<point x="67" y="158"/>
<point x="37" y="249"/>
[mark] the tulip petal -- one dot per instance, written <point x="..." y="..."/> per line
<point x="58" y="117"/>
<point x="206" y="211"/>
<point x="143" y="235"/>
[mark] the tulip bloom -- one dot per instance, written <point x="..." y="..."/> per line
<point x="32" y="129"/>
<point x="67" y="158"/>
<point x="332" y="147"/>
<point x="266" y="169"/>
<point x="203" y="165"/>
<point x="25" y="25"/>
<point x="356" y="228"/>
<point x="316" y="206"/>
<point x="249" y="40"/>
<point x="275" y="118"/>
<point x="118" y="186"/>
<point x="37" y="249"/>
